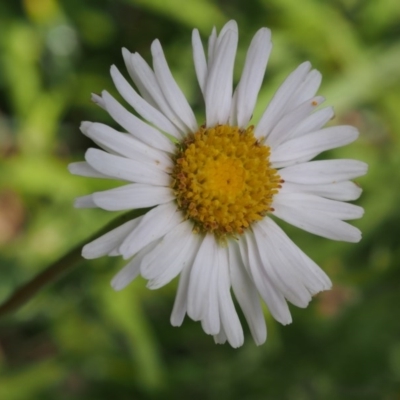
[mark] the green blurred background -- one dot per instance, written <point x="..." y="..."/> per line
<point x="80" y="340"/>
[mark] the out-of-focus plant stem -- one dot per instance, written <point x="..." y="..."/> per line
<point x="63" y="265"/>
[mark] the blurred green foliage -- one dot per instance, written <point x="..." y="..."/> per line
<point x="80" y="340"/>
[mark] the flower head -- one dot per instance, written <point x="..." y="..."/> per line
<point x="214" y="188"/>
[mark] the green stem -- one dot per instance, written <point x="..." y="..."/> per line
<point x="59" y="267"/>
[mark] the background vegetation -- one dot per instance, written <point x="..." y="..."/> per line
<point x="78" y="339"/>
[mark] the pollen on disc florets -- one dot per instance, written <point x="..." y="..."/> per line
<point x="223" y="180"/>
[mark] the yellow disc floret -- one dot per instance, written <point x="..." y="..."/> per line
<point x="223" y="180"/>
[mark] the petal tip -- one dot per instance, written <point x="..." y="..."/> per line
<point x="87" y="253"/>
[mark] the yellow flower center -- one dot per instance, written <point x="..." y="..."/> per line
<point x="223" y="180"/>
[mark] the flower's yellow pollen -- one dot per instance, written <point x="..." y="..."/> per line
<point x="223" y="180"/>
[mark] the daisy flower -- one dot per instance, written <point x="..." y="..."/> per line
<point x="215" y="188"/>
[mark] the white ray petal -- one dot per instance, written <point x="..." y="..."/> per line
<point x="106" y="243"/>
<point x="82" y="168"/>
<point x="277" y="107"/>
<point x="272" y="297"/>
<point x="154" y="225"/>
<point x="173" y="94"/>
<point x="229" y="318"/>
<point x="221" y="337"/>
<point x="180" y="304"/>
<point x="233" y="113"/>
<point x="98" y="100"/>
<point x="135" y="126"/>
<point x="308" y="146"/>
<point x="149" y="81"/>
<point x="142" y="107"/>
<point x="126" y="275"/>
<point x="200" y="277"/>
<point x="311" y="203"/>
<point x="85" y="202"/>
<point x="199" y="58"/>
<point x="324" y="171"/>
<point x="307" y="89"/>
<point x="246" y="295"/>
<point x="137" y="77"/>
<point x="230" y="26"/>
<point x="318" y="223"/>
<point x="126" y="169"/>
<point x="211" y="44"/>
<point x="171" y="255"/>
<point x="136" y="195"/>
<point x="252" y="76"/>
<point x="312" y="123"/>
<point x="211" y="319"/>
<point x="131" y="270"/>
<point x="84" y="128"/>
<point x="275" y="263"/>
<point x="282" y="130"/>
<point x="343" y="191"/>
<point x="310" y="274"/>
<point x="146" y="82"/>
<point x="218" y="93"/>
<point x="125" y="145"/>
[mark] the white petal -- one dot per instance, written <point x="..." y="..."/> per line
<point x="136" y="195"/>
<point x="126" y="275"/>
<point x="318" y="223"/>
<point x="85" y="202"/>
<point x="311" y="203"/>
<point x="148" y="80"/>
<point x="230" y="26"/>
<point x="308" y="146"/>
<point x="282" y="130"/>
<point x="325" y="171"/>
<point x="137" y="77"/>
<point x="142" y="107"/>
<point x="229" y="318"/>
<point x="212" y="40"/>
<point x="199" y="58"/>
<point x="82" y="168"/>
<point x="312" y="123"/>
<point x="170" y="256"/>
<point x="306" y="90"/>
<point x="130" y="271"/>
<point x="233" y="114"/>
<point x="218" y="93"/>
<point x="98" y="100"/>
<point x="126" y="169"/>
<point x="135" y="126"/>
<point x="277" y="107"/>
<point x="246" y="295"/>
<point x="125" y="145"/>
<point x="180" y="304"/>
<point x="221" y="337"/>
<point x="252" y="76"/>
<point x="343" y="191"/>
<point x="154" y="225"/>
<point x="106" y="243"/>
<point x="275" y="263"/>
<point x="173" y="94"/>
<point x="211" y="322"/>
<point x="272" y="297"/>
<point x="200" y="275"/>
<point x="85" y="126"/>
<point x="145" y="80"/>
<point x="313" y="277"/>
